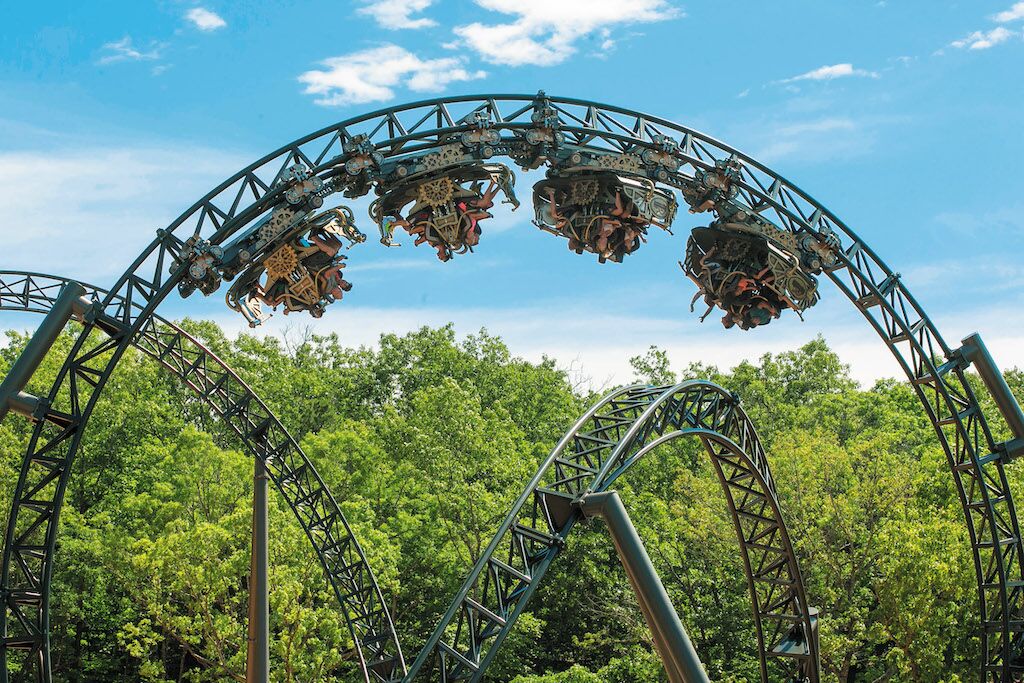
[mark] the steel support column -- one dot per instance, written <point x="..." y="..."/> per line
<point x="11" y="395"/>
<point x="975" y="352"/>
<point x="677" y="652"/>
<point x="257" y="666"/>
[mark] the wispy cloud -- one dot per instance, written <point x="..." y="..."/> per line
<point x="1003" y="219"/>
<point x="830" y="73"/>
<point x="114" y="198"/>
<point x="983" y="40"/>
<point x="398" y="13"/>
<point x="975" y="275"/>
<point x="204" y="19"/>
<point x="372" y="75"/>
<point x="124" y="51"/>
<point x="544" y="33"/>
<point x="395" y="265"/>
<point x="813" y="140"/>
<point x="1013" y="14"/>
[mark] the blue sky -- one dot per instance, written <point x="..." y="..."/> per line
<point x="903" y="117"/>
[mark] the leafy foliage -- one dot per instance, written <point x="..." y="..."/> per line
<point x="425" y="441"/>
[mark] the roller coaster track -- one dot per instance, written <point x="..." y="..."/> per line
<point x="227" y="397"/>
<point x="769" y="560"/>
<point x="618" y="431"/>
<point x="544" y="124"/>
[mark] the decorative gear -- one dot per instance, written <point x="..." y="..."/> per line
<point x="630" y="163"/>
<point x="436" y="192"/>
<point x="281" y="263"/>
<point x="449" y="155"/>
<point x="734" y="250"/>
<point x="280" y="219"/>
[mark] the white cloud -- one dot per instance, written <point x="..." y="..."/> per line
<point x="982" y="40"/>
<point x="397" y="13"/>
<point x="607" y="42"/>
<point x="544" y="33"/>
<point x="371" y="75"/>
<point x="205" y="20"/>
<point x="832" y="72"/>
<point x="112" y="200"/>
<point x="829" y="125"/>
<point x="1013" y="14"/>
<point x="123" y="51"/>
<point x="978" y="275"/>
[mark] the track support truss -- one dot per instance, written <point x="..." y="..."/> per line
<point x="619" y="430"/>
<point x="220" y="391"/>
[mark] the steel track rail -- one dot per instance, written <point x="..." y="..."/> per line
<point x="622" y="428"/>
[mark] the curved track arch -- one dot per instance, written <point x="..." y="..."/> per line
<point x="231" y="399"/>
<point x="540" y="125"/>
<point x="619" y="430"/>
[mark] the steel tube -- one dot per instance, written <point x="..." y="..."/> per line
<point x="975" y="351"/>
<point x="36" y="349"/>
<point x="257" y="668"/>
<point x="677" y="652"/>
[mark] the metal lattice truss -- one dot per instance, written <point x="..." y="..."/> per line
<point x="614" y="434"/>
<point x="227" y="397"/>
<point x="352" y="156"/>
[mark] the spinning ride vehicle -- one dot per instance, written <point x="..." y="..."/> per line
<point x="289" y="258"/>
<point x="601" y="211"/>
<point x="302" y="273"/>
<point x="753" y="270"/>
<point x="448" y="205"/>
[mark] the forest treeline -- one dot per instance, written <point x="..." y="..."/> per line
<point x="425" y="440"/>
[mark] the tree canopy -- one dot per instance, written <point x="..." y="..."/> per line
<point x="425" y="440"/>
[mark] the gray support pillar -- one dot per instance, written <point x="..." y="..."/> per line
<point x="677" y="652"/>
<point x="257" y="667"/>
<point x="975" y="351"/>
<point x="64" y="307"/>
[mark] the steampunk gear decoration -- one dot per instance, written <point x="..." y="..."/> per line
<point x="448" y="203"/>
<point x="304" y="271"/>
<point x="602" y="212"/>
